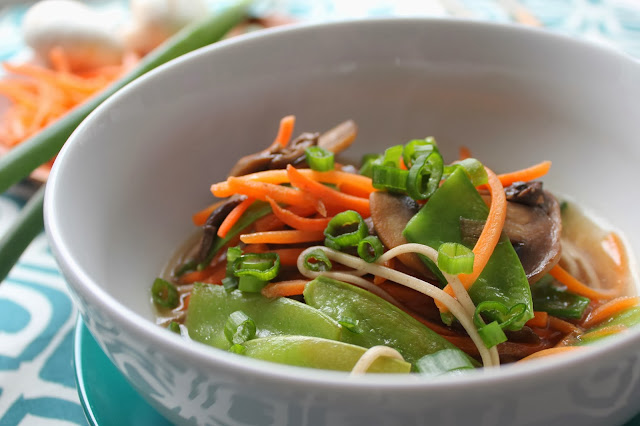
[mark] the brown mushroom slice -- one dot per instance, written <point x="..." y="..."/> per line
<point x="340" y="137"/>
<point x="534" y="231"/>
<point x="215" y="219"/>
<point x="390" y="214"/>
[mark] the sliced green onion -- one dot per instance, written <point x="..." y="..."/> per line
<point x="317" y="261"/>
<point x="351" y="325"/>
<point x="174" y="326"/>
<point x="232" y="254"/>
<point x="230" y="283"/>
<point x="424" y="176"/>
<point x="392" y="156"/>
<point x="319" y="159"/>
<point x="264" y="266"/>
<point x="389" y="178"/>
<point x="165" y="294"/>
<point x="473" y="168"/>
<point x="454" y="258"/>
<point x="239" y="328"/>
<point x="417" y="148"/>
<point x="500" y="312"/>
<point x="251" y="284"/>
<point x="370" y="248"/>
<point x="238" y="349"/>
<point x="345" y="229"/>
<point x="442" y="362"/>
<point x="492" y="334"/>
<point x="187" y="266"/>
<point x="367" y="163"/>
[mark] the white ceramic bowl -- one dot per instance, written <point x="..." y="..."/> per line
<point x="121" y="195"/>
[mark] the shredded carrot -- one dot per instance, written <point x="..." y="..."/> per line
<point x="185" y="302"/>
<point x="200" y="217"/>
<point x="562" y="325"/>
<point x="268" y="223"/>
<point x="540" y="319"/>
<point x="285" y="131"/>
<point x="59" y="60"/>
<point x="575" y="286"/>
<point x="278" y="176"/>
<point x="298" y="222"/>
<point x="282" y="237"/>
<point x="603" y="332"/>
<point x="262" y="190"/>
<point x="550" y="351"/>
<point x="614" y="247"/>
<point x="202" y="275"/>
<point x="288" y="256"/>
<point x="489" y="236"/>
<point x="284" y="288"/>
<point x="464" y="153"/>
<point x="525" y="175"/>
<point x="233" y="217"/>
<point x="256" y="248"/>
<point x="328" y="195"/>
<point x="607" y="310"/>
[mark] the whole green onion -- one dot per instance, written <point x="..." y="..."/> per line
<point x="424" y="176"/>
<point x="165" y="294"/>
<point x="389" y="178"/>
<point x="454" y="258"/>
<point x="319" y="159"/>
<point x="239" y="328"/>
<point x="370" y="248"/>
<point x="345" y="229"/>
<point x="442" y="362"/>
<point x="317" y="261"/>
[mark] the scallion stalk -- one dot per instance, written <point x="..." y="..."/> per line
<point x="454" y="258"/>
<point x="345" y="229"/>
<point x="239" y="328"/>
<point x="319" y="159"/>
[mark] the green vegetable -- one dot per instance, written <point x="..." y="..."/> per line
<point x="255" y="211"/>
<point x="380" y="322"/>
<point x="367" y="163"/>
<point x="317" y="261"/>
<point x="559" y="303"/>
<point x="424" y="176"/>
<point x="254" y="270"/>
<point x="454" y="258"/>
<point x="238" y="349"/>
<point x="628" y="318"/>
<point x="389" y="178"/>
<point x="345" y="229"/>
<point x="27" y="156"/>
<point x="210" y="306"/>
<point x="22" y="231"/>
<point x="370" y="248"/>
<point x="313" y="352"/>
<point x="473" y="168"/>
<point x="492" y="334"/>
<point x="392" y="156"/>
<point x="319" y="159"/>
<point x="417" y="148"/>
<point x="438" y="221"/>
<point x="442" y="362"/>
<point x="239" y="328"/>
<point x="165" y="294"/>
<point x="174" y="326"/>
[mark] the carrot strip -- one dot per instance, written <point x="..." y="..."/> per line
<point x="489" y="236"/>
<point x="607" y="310"/>
<point x="279" y="176"/>
<point x="268" y="223"/>
<point x="550" y="351"/>
<point x="575" y="286"/>
<point x="328" y="195"/>
<point x="262" y="190"/>
<point x="614" y="247"/>
<point x="284" y="288"/>
<point x="185" y="302"/>
<point x="289" y="256"/>
<point x="298" y="222"/>
<point x="285" y="131"/>
<point x="65" y="81"/>
<point x="200" y="217"/>
<point x="562" y="325"/>
<point x="464" y="153"/>
<point x="540" y="319"/>
<point x="524" y="175"/>
<point x="282" y="237"/>
<point x="233" y="216"/>
<point x="59" y="60"/>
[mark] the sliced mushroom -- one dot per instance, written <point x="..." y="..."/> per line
<point x="390" y="214"/>
<point x="277" y="157"/>
<point x="534" y="229"/>
<point x="210" y="228"/>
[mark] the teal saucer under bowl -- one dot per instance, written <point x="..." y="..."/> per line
<point x="107" y="398"/>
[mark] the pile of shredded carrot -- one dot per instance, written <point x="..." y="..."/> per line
<point x="39" y="95"/>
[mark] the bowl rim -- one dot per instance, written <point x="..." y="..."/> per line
<point x="202" y="355"/>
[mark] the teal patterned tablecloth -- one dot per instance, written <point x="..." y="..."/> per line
<point x="37" y="316"/>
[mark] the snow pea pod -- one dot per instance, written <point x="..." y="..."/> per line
<point x="211" y="305"/>
<point x="559" y="303"/>
<point x="374" y="320"/>
<point x="314" y="352"/>
<point x="438" y="221"/>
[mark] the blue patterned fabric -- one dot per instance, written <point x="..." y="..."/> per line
<point x="36" y="314"/>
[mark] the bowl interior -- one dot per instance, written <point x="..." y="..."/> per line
<point x="125" y="187"/>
